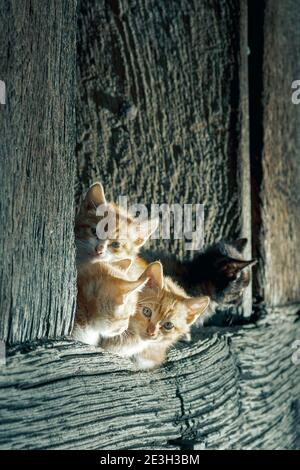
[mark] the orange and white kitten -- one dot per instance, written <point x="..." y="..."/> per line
<point x="105" y="300"/>
<point x="163" y="315"/>
<point x="124" y="240"/>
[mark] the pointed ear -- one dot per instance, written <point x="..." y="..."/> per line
<point x="144" y="230"/>
<point x="196" y="306"/>
<point x="240" y="244"/>
<point x="122" y="264"/>
<point x="95" y="196"/>
<point x="128" y="287"/>
<point x="154" y="275"/>
<point x="230" y="266"/>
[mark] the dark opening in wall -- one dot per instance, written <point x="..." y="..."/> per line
<point x="256" y="10"/>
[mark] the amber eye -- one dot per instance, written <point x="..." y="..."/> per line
<point x="115" y="244"/>
<point x="168" y="325"/>
<point x="147" y="312"/>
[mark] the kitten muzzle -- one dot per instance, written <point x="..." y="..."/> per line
<point x="151" y="330"/>
<point x="99" y="249"/>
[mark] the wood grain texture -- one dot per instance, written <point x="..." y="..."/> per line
<point x="182" y="64"/>
<point x="231" y="388"/>
<point x="37" y="63"/>
<point x="279" y="233"/>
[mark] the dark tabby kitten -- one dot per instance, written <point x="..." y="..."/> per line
<point x="218" y="271"/>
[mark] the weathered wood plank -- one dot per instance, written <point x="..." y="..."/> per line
<point x="278" y="237"/>
<point x="37" y="63"/>
<point x="234" y="388"/>
<point x="179" y="63"/>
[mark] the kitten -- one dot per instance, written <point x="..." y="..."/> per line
<point x="219" y="271"/>
<point x="105" y="300"/>
<point x="164" y="314"/>
<point x="122" y="242"/>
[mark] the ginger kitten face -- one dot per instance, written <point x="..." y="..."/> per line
<point x="105" y="302"/>
<point x="125" y="238"/>
<point x="164" y="313"/>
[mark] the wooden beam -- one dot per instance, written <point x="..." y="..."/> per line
<point x="37" y="64"/>
<point x="276" y="180"/>
<point x="232" y="388"/>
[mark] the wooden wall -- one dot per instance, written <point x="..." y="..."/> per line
<point x="182" y="65"/>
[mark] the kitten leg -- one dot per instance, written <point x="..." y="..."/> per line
<point x="150" y="358"/>
<point x="143" y="363"/>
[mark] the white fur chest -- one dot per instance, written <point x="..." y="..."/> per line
<point x="132" y="348"/>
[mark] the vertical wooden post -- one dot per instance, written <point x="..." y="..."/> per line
<point x="37" y="64"/>
<point x="277" y="177"/>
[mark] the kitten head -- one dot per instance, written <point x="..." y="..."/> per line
<point x="164" y="312"/>
<point x="222" y="272"/>
<point x="106" y="298"/>
<point x="106" y="232"/>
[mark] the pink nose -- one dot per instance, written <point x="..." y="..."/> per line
<point x="151" y="330"/>
<point x="99" y="250"/>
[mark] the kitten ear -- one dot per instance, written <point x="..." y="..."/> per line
<point x="230" y="266"/>
<point x="240" y="244"/>
<point x="128" y="287"/>
<point x="154" y="275"/>
<point x="196" y="306"/>
<point x="144" y="230"/>
<point x="122" y="264"/>
<point x="95" y="196"/>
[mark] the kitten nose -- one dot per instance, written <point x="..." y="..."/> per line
<point x="151" y="329"/>
<point x="99" y="249"/>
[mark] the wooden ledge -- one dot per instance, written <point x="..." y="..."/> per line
<point x="231" y="388"/>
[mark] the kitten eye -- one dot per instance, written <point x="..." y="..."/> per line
<point x="168" y="325"/>
<point x="147" y="312"/>
<point x="115" y="244"/>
